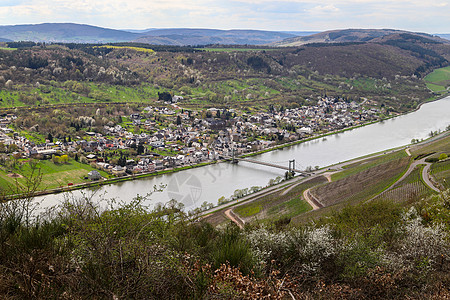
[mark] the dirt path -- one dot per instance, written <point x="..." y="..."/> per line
<point x="425" y="174"/>
<point x="328" y="175"/>
<point x="426" y="178"/>
<point x="407" y="151"/>
<point x="311" y="200"/>
<point x="290" y="188"/>
<point x="233" y="217"/>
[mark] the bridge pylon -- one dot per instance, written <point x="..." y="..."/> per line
<point x="292" y="166"/>
<point x="233" y="157"/>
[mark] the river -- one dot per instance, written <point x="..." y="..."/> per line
<point x="209" y="183"/>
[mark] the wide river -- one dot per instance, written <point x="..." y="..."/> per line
<point x="209" y="183"/>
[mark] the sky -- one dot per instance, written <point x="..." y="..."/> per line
<point x="431" y="16"/>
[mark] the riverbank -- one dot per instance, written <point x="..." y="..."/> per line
<point x="217" y="169"/>
<point x="217" y="213"/>
<point x="104" y="182"/>
<point x="289" y="144"/>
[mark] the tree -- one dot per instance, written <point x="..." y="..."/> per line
<point x="50" y="137"/>
<point x="164" y="96"/>
<point x="64" y="159"/>
<point x="56" y="159"/>
<point x="178" y="120"/>
<point x="140" y="149"/>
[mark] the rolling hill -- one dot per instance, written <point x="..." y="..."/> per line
<point x="350" y="36"/>
<point x="184" y="36"/>
<point x="444" y="36"/>
<point x="64" y="32"/>
<point x="78" y="33"/>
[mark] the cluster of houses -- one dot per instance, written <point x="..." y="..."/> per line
<point x="197" y="139"/>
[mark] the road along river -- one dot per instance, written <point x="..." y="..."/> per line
<point x="209" y="183"/>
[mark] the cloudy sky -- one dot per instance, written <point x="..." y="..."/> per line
<point x="431" y="16"/>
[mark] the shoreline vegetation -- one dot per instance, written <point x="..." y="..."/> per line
<point x="173" y="170"/>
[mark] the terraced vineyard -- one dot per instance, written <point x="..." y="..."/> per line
<point x="412" y="188"/>
<point x="441" y="172"/>
<point x="362" y="185"/>
<point x="279" y="205"/>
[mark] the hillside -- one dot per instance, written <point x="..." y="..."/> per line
<point x="183" y="37"/>
<point x="388" y="72"/>
<point x="444" y="36"/>
<point x="64" y="32"/>
<point x="77" y="33"/>
<point x="349" y="35"/>
<point x="395" y="248"/>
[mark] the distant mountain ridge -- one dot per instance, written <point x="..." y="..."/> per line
<point x="444" y="36"/>
<point x="351" y="36"/>
<point x="185" y="36"/>
<point x="65" y="32"/>
<point x="78" y="33"/>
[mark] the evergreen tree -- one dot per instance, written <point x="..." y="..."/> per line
<point x="140" y="149"/>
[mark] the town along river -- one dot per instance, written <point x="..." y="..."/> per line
<point x="209" y="183"/>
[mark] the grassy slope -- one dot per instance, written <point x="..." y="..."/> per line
<point x="53" y="176"/>
<point x="277" y="205"/>
<point x="438" y="80"/>
<point x="212" y="76"/>
<point x="54" y="95"/>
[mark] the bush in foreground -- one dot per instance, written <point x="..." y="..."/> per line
<point x="80" y="250"/>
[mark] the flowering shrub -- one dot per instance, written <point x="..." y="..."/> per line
<point x="375" y="250"/>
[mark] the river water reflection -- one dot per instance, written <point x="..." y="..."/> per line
<point x="209" y="183"/>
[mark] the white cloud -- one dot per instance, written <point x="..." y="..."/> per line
<point x="321" y="9"/>
<point x="430" y="15"/>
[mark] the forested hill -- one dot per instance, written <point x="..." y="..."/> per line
<point x="353" y="35"/>
<point x="388" y="71"/>
<point x="78" y="33"/>
<point x="64" y="32"/>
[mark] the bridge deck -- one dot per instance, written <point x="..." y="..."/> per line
<point x="270" y="165"/>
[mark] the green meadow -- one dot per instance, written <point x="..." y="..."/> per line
<point x="438" y="80"/>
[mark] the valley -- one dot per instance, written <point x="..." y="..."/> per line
<point x="189" y="163"/>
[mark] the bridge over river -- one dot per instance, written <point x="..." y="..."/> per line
<point x="193" y="187"/>
<point x="291" y="168"/>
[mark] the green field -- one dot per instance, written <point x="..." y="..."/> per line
<point x="249" y="209"/>
<point x="283" y="204"/>
<point x="291" y="208"/>
<point x="76" y="92"/>
<point x="438" y="80"/>
<point x="54" y="175"/>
